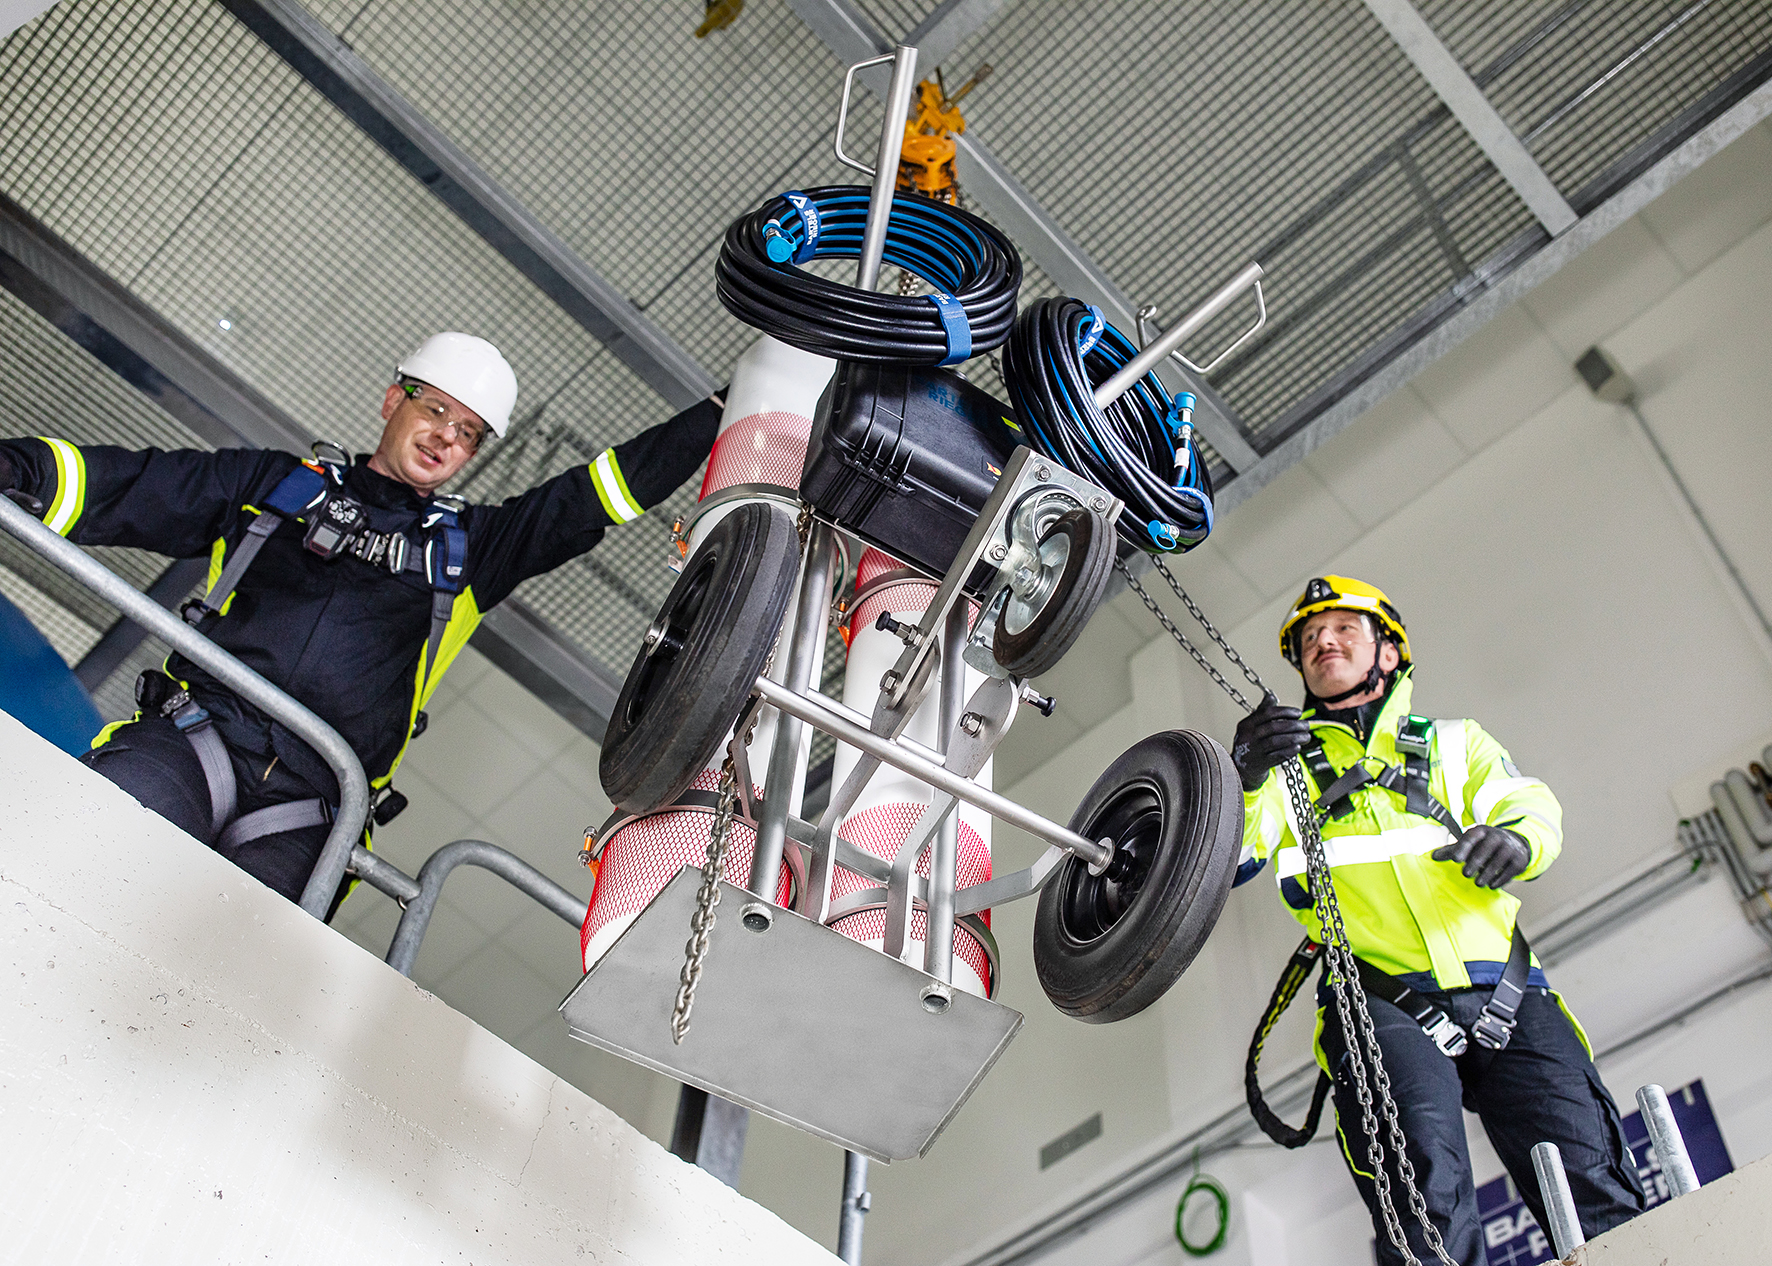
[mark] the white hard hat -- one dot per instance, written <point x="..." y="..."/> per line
<point x="471" y="370"/>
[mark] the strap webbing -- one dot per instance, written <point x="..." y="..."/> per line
<point x="225" y="584"/>
<point x="1298" y="970"/>
<point x="1495" y="1027"/>
<point x="218" y="768"/>
<point x="293" y="816"/>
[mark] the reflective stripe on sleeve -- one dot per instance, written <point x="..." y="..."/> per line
<point x="1495" y="791"/>
<point x="1351" y="850"/>
<point x="612" y="489"/>
<point x="70" y="486"/>
<point x="1455" y="770"/>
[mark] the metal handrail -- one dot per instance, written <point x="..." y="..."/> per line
<point x="353" y="787"/>
<point x="418" y="897"/>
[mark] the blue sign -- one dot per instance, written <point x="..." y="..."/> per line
<point x="1512" y="1236"/>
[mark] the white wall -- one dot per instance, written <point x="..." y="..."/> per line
<point x="1555" y="589"/>
<point x="193" y="1070"/>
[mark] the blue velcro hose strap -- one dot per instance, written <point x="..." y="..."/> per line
<point x="808" y="210"/>
<point x="954" y="323"/>
<point x="1090" y="334"/>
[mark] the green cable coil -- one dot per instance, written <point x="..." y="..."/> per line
<point x="1221" y="1197"/>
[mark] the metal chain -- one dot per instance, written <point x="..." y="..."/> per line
<point x="1372" y="1088"/>
<point x="701" y="923"/>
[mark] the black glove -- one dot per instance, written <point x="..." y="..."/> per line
<point x="9" y="489"/>
<point x="1268" y="736"/>
<point x="1491" y="856"/>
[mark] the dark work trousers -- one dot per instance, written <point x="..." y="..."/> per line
<point x="154" y="762"/>
<point x="1542" y="1087"/>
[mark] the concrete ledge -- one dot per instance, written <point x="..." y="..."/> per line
<point x="192" y="1069"/>
<point x="1727" y="1222"/>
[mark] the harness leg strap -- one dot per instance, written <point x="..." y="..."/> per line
<point x="293" y="816"/>
<point x="218" y="768"/>
<point x="1495" y="1026"/>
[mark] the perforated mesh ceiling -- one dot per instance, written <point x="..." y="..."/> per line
<point x="1174" y="141"/>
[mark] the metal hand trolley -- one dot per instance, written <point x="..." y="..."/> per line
<point x="791" y="1018"/>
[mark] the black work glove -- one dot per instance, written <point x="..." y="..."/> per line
<point x="1268" y="736"/>
<point x="1491" y="856"/>
<point x="9" y="489"/>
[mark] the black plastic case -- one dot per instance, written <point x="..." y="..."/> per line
<point x="905" y="457"/>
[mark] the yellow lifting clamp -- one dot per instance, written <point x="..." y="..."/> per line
<point x="719" y="16"/>
<point x="926" y="164"/>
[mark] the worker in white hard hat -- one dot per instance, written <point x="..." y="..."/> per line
<point x="351" y="585"/>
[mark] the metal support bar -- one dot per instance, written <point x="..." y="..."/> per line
<point x="1559" y="1205"/>
<point x="847" y="31"/>
<point x="1170" y="341"/>
<point x="437" y="869"/>
<point x="898" y="107"/>
<point x="346" y="80"/>
<point x="944" y="858"/>
<point x="803" y="646"/>
<point x="383" y="875"/>
<point x="856" y="1201"/>
<point x="885" y="750"/>
<point x="353" y="787"/>
<point x="709" y="1132"/>
<point x="1670" y="1145"/>
<point x="121" y="639"/>
<point x="1473" y="110"/>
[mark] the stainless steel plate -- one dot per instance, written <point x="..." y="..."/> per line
<point x="799" y="1023"/>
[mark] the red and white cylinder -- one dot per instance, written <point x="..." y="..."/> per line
<point x="761" y="447"/>
<point x="882" y="818"/>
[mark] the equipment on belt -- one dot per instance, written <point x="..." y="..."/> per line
<point x="471" y="370"/>
<point x="1140" y="447"/>
<point x="976" y="269"/>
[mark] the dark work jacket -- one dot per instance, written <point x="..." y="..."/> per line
<point x="341" y="636"/>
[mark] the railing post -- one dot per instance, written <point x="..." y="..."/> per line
<point x="1670" y="1145"/>
<point x="1559" y="1203"/>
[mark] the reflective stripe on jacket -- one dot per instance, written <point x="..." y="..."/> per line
<point x="1406" y="913"/>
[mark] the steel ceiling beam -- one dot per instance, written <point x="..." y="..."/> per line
<point x="851" y="37"/>
<point x="1474" y="111"/>
<point x="131" y="340"/>
<point x="346" y="80"/>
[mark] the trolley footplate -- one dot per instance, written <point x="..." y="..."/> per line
<point x="797" y="1022"/>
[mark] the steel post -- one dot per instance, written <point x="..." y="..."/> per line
<point x="944" y="856"/>
<point x="898" y="109"/>
<point x="855" y="1207"/>
<point x="1670" y="1146"/>
<point x="804" y="642"/>
<point x="1559" y="1204"/>
<point x="438" y="867"/>
<point x="353" y="788"/>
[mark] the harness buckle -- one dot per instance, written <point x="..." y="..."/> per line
<point x="1452" y="1040"/>
<point x="186" y="713"/>
<point x="1491" y="1031"/>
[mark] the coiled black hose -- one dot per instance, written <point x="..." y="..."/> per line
<point x="976" y="269"/>
<point x="1140" y="448"/>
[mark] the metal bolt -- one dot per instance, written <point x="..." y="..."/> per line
<point x="889" y="680"/>
<point x="972" y="723"/>
<point x="1099" y="505"/>
<point x="1043" y="472"/>
<point x="1024" y="576"/>
<point x="999" y="552"/>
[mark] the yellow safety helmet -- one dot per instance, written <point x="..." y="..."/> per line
<point x="1342" y="593"/>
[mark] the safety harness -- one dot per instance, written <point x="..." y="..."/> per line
<point x="337" y="525"/>
<point x="1494" y="1027"/>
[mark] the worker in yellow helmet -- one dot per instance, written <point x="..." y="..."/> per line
<point x="1423" y="822"/>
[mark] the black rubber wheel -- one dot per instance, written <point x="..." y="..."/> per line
<point x="1034" y="633"/>
<point x="702" y="655"/>
<point x="1107" y="946"/>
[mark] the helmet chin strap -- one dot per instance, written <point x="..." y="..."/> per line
<point x="1373" y="680"/>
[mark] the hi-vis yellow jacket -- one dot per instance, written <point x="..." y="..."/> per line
<point x="1407" y="914"/>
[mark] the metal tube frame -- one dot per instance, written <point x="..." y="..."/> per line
<point x="938" y="940"/>
<point x="1559" y="1204"/>
<point x="418" y="897"/>
<point x="1167" y="344"/>
<point x="353" y="787"/>
<point x="855" y="1207"/>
